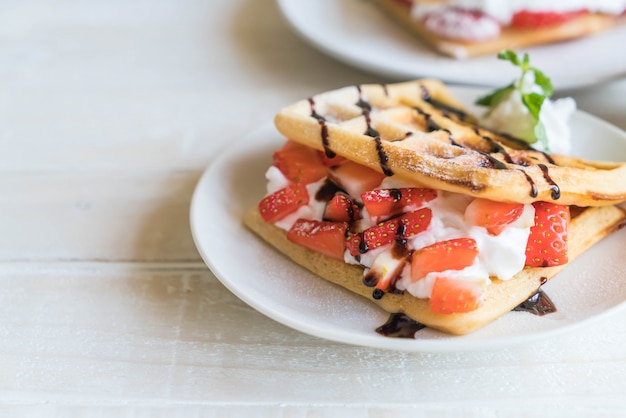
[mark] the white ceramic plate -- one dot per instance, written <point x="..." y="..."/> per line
<point x="358" y="33"/>
<point x="593" y="285"/>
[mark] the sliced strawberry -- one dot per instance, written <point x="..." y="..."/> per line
<point x="390" y="202"/>
<point x="281" y="203"/>
<point x="547" y="243"/>
<point x="495" y="216"/>
<point x="330" y="161"/>
<point x="356" y="244"/>
<point x="355" y="178"/>
<point x="341" y="209"/>
<point x="324" y="237"/>
<point x="405" y="226"/>
<point x="525" y="19"/>
<point x="299" y="163"/>
<point x="455" y="296"/>
<point x="454" y="254"/>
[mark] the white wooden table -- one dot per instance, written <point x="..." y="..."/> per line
<point x="109" y="113"/>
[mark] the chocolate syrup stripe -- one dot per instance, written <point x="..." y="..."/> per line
<point x="366" y="109"/>
<point x="495" y="148"/>
<point x="323" y="127"/>
<point x="400" y="325"/>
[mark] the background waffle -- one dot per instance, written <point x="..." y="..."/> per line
<point x="418" y="131"/>
<point x="509" y="38"/>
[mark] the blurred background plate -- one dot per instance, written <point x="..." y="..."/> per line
<point x="358" y="33"/>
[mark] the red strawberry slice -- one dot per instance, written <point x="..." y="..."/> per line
<point x="281" y="203"/>
<point x="455" y="296"/>
<point x="341" y="209"/>
<point x="547" y="243"/>
<point x="356" y="244"/>
<point x="454" y="254"/>
<point x="390" y="202"/>
<point x="355" y="178"/>
<point x="525" y="19"/>
<point x="405" y="226"/>
<point x="495" y="216"/>
<point x="299" y="163"/>
<point x="324" y="237"/>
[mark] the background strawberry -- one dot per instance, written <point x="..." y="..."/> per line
<point x="525" y="19"/>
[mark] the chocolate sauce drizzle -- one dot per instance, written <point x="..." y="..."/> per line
<point x="328" y="190"/>
<point x="445" y="108"/>
<point x="399" y="250"/>
<point x="556" y="192"/>
<point x="451" y="138"/>
<point x="495" y="147"/>
<point x="366" y="109"/>
<point x="431" y="125"/>
<point x="538" y="304"/>
<point x="382" y="157"/>
<point x="495" y="163"/>
<point x="324" y="129"/>
<point x="533" y="187"/>
<point x="399" y="325"/>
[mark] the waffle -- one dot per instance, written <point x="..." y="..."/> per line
<point x="509" y="38"/>
<point x="419" y="132"/>
<point x="588" y="227"/>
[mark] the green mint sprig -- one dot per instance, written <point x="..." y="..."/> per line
<point x="533" y="101"/>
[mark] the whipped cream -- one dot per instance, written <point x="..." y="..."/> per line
<point x="512" y="117"/>
<point x="503" y="10"/>
<point x="500" y="256"/>
<point x="455" y="24"/>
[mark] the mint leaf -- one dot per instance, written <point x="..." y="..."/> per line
<point x="533" y="102"/>
<point x="508" y="55"/>
<point x="494" y="97"/>
<point x="543" y="81"/>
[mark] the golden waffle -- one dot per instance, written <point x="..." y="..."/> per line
<point x="509" y="38"/>
<point x="418" y="131"/>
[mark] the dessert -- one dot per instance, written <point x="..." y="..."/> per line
<point x="396" y="193"/>
<point x="467" y="28"/>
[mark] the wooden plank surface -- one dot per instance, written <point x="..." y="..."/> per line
<point x="157" y="334"/>
<point x="97" y="215"/>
